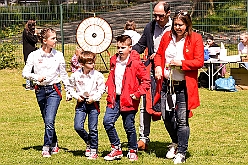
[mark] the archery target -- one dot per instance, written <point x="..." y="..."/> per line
<point x="94" y="34"/>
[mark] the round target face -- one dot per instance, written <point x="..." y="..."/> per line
<point x="94" y="34"/>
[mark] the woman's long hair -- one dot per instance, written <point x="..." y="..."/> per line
<point x="30" y="26"/>
<point x="186" y="19"/>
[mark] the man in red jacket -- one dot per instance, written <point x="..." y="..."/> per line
<point x="127" y="81"/>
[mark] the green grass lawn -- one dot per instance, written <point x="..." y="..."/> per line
<point x="218" y="130"/>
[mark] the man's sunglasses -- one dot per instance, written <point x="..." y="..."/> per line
<point x="159" y="15"/>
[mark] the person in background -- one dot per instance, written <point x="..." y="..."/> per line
<point x="129" y="29"/>
<point x="210" y="42"/>
<point x="179" y="56"/>
<point x="49" y="69"/>
<point x="74" y="60"/>
<point x="150" y="39"/>
<point x="30" y="39"/>
<point x="126" y="83"/>
<point x="88" y="86"/>
<point x="242" y="46"/>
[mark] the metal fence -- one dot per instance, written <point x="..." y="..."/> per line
<point x="225" y="21"/>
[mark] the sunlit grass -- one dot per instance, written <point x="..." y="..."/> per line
<point x="218" y="130"/>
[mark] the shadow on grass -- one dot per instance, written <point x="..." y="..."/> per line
<point x="155" y="147"/>
<point x="39" y="148"/>
<point x="77" y="152"/>
<point x="160" y="149"/>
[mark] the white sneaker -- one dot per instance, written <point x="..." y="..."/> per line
<point x="179" y="158"/>
<point x="46" y="154"/>
<point x="87" y="151"/>
<point x="93" y="156"/>
<point x="116" y="153"/>
<point x="172" y="151"/>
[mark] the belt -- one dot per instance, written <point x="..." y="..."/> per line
<point x="174" y="82"/>
<point x="47" y="85"/>
<point x="95" y="103"/>
<point x="118" y="97"/>
<point x="55" y="86"/>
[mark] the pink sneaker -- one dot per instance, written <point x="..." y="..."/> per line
<point x="93" y="156"/>
<point x="132" y="155"/>
<point x="116" y="153"/>
<point x="55" y="150"/>
<point x="46" y="154"/>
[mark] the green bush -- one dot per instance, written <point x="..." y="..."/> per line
<point x="7" y="58"/>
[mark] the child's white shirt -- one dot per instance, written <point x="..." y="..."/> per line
<point x="119" y="72"/>
<point x="91" y="83"/>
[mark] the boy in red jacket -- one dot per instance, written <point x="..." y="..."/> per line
<point x="127" y="81"/>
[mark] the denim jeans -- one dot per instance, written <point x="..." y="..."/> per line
<point x="48" y="100"/>
<point x="176" y="121"/>
<point x="82" y="110"/>
<point x="128" y="119"/>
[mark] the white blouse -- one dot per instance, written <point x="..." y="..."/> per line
<point x="174" y="51"/>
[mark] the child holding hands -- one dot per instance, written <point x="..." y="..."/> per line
<point x="88" y="87"/>
<point x="127" y="81"/>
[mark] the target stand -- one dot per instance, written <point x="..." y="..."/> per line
<point x="94" y="34"/>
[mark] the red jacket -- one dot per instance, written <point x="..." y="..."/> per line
<point x="194" y="59"/>
<point x="135" y="81"/>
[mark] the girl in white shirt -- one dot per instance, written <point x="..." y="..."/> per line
<point x="49" y="70"/>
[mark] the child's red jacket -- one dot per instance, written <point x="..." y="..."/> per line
<point x="135" y="81"/>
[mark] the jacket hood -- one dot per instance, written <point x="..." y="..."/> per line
<point x="134" y="55"/>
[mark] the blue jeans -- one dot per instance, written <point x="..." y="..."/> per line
<point x="82" y="110"/>
<point x="48" y="100"/>
<point x="128" y="119"/>
<point x="176" y="121"/>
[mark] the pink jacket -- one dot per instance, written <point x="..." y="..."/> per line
<point x="194" y="59"/>
<point x="135" y="81"/>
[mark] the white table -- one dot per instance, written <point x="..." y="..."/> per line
<point x="210" y="65"/>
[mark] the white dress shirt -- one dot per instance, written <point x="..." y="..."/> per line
<point x="174" y="51"/>
<point x="50" y="65"/>
<point x="91" y="84"/>
<point x="119" y="72"/>
<point x="159" y="32"/>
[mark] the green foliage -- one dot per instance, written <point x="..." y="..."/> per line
<point x="10" y="31"/>
<point x="218" y="133"/>
<point x="8" y="46"/>
<point x="7" y="56"/>
<point x="223" y="17"/>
